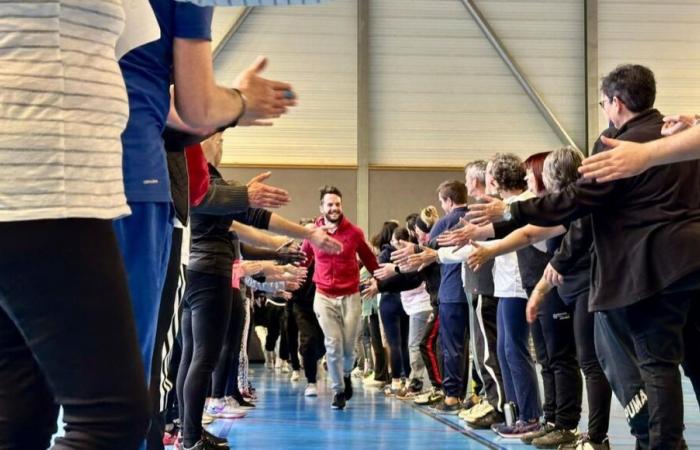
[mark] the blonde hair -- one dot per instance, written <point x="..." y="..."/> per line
<point x="427" y="218"/>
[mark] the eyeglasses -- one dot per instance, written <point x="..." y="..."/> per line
<point x="602" y="102"/>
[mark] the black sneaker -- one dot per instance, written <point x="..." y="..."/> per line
<point x="216" y="440"/>
<point x="415" y="385"/>
<point x="444" y="408"/>
<point x="487" y="421"/>
<point x="338" y="401"/>
<point x="348" y="388"/>
<point x="555" y="438"/>
<point x="242" y="402"/>
<point x="203" y="444"/>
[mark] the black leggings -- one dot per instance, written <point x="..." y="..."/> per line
<point x="598" y="389"/>
<point x="310" y="339"/>
<point x="553" y="336"/>
<point x="274" y="316"/>
<point x="290" y="352"/>
<point x="67" y="337"/>
<point x="224" y="381"/>
<point x="395" y="322"/>
<point x="205" y="317"/>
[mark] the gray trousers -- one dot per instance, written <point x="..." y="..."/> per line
<point x="339" y="318"/>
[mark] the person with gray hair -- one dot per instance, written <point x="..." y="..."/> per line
<point x="561" y="168"/>
<point x="475" y="176"/>
<point x="646" y="235"/>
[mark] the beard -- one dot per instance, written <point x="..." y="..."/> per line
<point x="329" y="219"/>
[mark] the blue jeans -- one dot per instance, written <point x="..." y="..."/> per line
<point x="395" y="321"/>
<point x="517" y="367"/>
<point x="144" y="238"/>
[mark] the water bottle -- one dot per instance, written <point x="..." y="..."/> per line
<point x="509" y="411"/>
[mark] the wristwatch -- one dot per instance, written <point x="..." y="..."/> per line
<point x="507" y="214"/>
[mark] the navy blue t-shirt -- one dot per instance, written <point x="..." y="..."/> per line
<point x="451" y="289"/>
<point x="147" y="73"/>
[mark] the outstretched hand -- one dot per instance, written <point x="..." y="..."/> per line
<point x="261" y="195"/>
<point x="265" y="99"/>
<point x="322" y="240"/>
<point x="478" y="257"/>
<point x="490" y="211"/>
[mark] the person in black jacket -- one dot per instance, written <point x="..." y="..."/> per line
<point x="646" y="234"/>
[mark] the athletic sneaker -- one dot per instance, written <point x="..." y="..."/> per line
<point x="311" y="390"/>
<point x="487" y="421"/>
<point x="471" y="401"/>
<point x="338" y="401"/>
<point x="431" y="397"/>
<point x="548" y="427"/>
<point x="555" y="438"/>
<point x="348" y="387"/>
<point x="356" y="372"/>
<point x="496" y="427"/>
<point x="240" y="403"/>
<point x="370" y="382"/>
<point x="585" y="443"/>
<point x="221" y="409"/>
<point x="285" y="367"/>
<point x="444" y="408"/>
<point x="391" y="391"/>
<point x="295" y="375"/>
<point x="405" y="393"/>
<point x="204" y="444"/>
<point x="520" y="429"/>
<point x="476" y="411"/>
<point x="206" y="418"/>
<point x="248" y="394"/>
<point x="218" y="442"/>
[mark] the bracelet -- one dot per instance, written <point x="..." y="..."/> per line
<point x="243" y="110"/>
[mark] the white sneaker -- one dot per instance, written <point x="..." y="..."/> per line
<point x="285" y="367"/>
<point x="356" y="372"/>
<point x="295" y="375"/>
<point x="311" y="390"/>
<point x="222" y="409"/>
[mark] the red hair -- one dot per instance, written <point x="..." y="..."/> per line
<point x="535" y="163"/>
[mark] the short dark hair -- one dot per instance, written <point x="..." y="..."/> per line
<point x="402" y="234"/>
<point x="633" y="84"/>
<point x="330" y="190"/>
<point x="454" y="190"/>
<point x="508" y="171"/>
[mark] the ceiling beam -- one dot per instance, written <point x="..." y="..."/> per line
<point x="531" y="92"/>
<point x="245" y="12"/>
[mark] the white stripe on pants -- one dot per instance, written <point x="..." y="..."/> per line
<point x="339" y="318"/>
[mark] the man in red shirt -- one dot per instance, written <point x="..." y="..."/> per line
<point x="337" y="301"/>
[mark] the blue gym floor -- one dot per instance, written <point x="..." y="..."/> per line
<point x="285" y="419"/>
